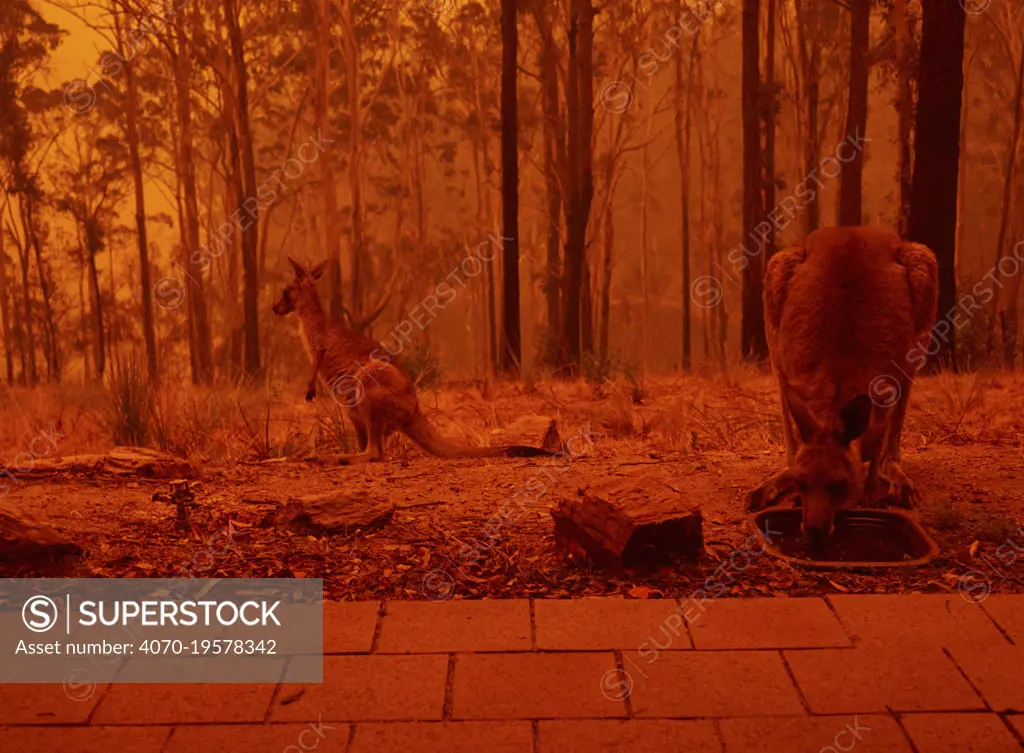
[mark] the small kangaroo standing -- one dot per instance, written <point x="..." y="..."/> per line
<point x="847" y="318"/>
<point x="379" y="397"/>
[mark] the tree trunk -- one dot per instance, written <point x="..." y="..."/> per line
<point x="511" y="351"/>
<point x="769" y="134"/>
<point x="203" y="366"/>
<point x="937" y="149"/>
<point x="754" y="345"/>
<point x="93" y="247"/>
<point x="851" y="178"/>
<point x="50" y="340"/>
<point x="332" y="221"/>
<point x="355" y="180"/>
<point x="1008" y="318"/>
<point x="904" y="110"/>
<point x="810" y="67"/>
<point x="553" y="143"/>
<point x="5" y="327"/>
<point x="606" y="285"/>
<point x="250" y="223"/>
<point x="580" y="108"/>
<point x="684" y="142"/>
<point x="131" y="111"/>
<point x="645" y="250"/>
<point x="27" y="316"/>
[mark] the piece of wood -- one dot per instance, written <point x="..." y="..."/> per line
<point x="331" y="514"/>
<point x="28" y="544"/>
<point x="530" y="430"/>
<point x="140" y="462"/>
<point x="622" y="523"/>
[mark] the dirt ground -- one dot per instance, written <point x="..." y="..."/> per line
<point x="457" y="534"/>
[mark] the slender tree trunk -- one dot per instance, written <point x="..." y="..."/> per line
<point x="683" y="152"/>
<point x="753" y="343"/>
<point x="5" y="314"/>
<point x="580" y="108"/>
<point x="355" y="154"/>
<point x="552" y="134"/>
<point x="851" y="178"/>
<point x="810" y="59"/>
<point x="937" y="149"/>
<point x="27" y="316"/>
<point x="1006" y="204"/>
<point x="511" y="351"/>
<point x="332" y="221"/>
<point x="904" y="110"/>
<point x="19" y="330"/>
<point x="203" y="372"/>
<point x="131" y="111"/>
<point x="93" y="247"/>
<point x="49" y="323"/>
<point x="606" y="285"/>
<point x="645" y="250"/>
<point x="250" y="223"/>
<point x="769" y="131"/>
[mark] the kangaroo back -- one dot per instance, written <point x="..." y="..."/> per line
<point x="846" y="309"/>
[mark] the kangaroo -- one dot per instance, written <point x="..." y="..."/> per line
<point x="844" y="316"/>
<point x="378" y="396"/>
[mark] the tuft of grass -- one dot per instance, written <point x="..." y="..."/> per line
<point x="996" y="529"/>
<point x="948" y="515"/>
<point x="422" y="364"/>
<point x="129" y="408"/>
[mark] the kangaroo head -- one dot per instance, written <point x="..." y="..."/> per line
<point x="304" y="285"/>
<point x="827" y="468"/>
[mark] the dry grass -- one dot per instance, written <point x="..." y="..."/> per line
<point x="735" y="412"/>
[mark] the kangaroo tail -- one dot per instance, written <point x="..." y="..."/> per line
<point x="423" y="433"/>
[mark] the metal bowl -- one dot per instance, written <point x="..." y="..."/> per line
<point x="862" y="538"/>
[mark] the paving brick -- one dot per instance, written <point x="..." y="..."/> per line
<point x="444" y="737"/>
<point x="83" y="739"/>
<point x="535" y="686"/>
<point x="713" y="684"/>
<point x="864" y="734"/>
<point x="997" y="672"/>
<point x="1008" y="612"/>
<point x="632" y="736"/>
<point x="349" y="626"/>
<point x="919" y="619"/>
<point x="1017" y="722"/>
<point x="48" y="704"/>
<point x="174" y="704"/>
<point x="603" y="624"/>
<point x="960" y="733"/>
<point x="765" y="623"/>
<point x="861" y="681"/>
<point x="373" y="688"/>
<point x="456" y="626"/>
<point x="259" y="738"/>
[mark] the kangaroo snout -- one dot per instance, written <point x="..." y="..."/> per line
<point x="818" y="523"/>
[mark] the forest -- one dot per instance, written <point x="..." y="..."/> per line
<point x="557" y="219"/>
<point x="637" y="163"/>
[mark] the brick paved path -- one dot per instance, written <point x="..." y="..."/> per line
<point x="874" y="674"/>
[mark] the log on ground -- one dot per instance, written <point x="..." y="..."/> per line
<point x="331" y="514"/>
<point x="622" y="523"/>
<point x="30" y="544"/>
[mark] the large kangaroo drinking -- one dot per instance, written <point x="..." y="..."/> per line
<point x="379" y="397"/>
<point x="846" y="317"/>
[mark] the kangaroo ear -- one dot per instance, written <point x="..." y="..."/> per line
<point x="806" y="424"/>
<point x="318" y="271"/>
<point x="854" y="418"/>
<point x="300" y="272"/>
